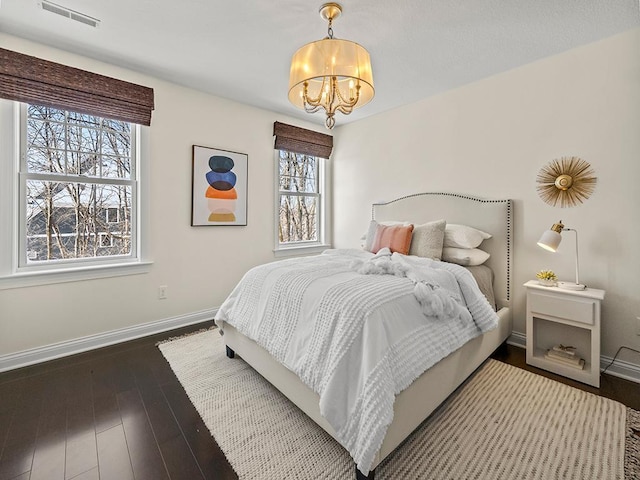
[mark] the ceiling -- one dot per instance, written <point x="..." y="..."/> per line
<point x="241" y="49"/>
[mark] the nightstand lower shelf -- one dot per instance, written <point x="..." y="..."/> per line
<point x="584" y="375"/>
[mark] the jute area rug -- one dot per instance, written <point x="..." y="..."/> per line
<point x="504" y="423"/>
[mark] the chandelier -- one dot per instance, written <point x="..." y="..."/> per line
<point x="330" y="73"/>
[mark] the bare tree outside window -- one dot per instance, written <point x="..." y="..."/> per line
<point x="299" y="198"/>
<point x="79" y="186"/>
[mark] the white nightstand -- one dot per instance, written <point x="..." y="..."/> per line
<point x="558" y="316"/>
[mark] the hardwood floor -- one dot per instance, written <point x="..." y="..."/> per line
<point x="120" y="413"/>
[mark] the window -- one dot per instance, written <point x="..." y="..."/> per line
<point x="112" y="215"/>
<point x="106" y="240"/>
<point x="302" y="189"/>
<point x="73" y="151"/>
<point x="299" y="198"/>
<point x="69" y="195"/>
<point x="77" y="187"/>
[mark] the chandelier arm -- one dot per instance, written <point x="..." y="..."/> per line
<point x="326" y="98"/>
<point x="352" y="101"/>
<point x="317" y="101"/>
<point x="311" y="109"/>
<point x="332" y="97"/>
<point x="344" y="109"/>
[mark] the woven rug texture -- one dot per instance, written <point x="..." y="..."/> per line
<point x="503" y="423"/>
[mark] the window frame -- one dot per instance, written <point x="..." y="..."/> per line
<point x="14" y="274"/>
<point x="323" y="220"/>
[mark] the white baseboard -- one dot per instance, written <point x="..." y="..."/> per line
<point x="91" y="342"/>
<point x="517" y="339"/>
<point x="619" y="368"/>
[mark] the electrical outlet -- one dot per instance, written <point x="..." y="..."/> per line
<point x="163" y="292"/>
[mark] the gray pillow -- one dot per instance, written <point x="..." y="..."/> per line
<point x="427" y="239"/>
<point x="484" y="279"/>
<point x="466" y="257"/>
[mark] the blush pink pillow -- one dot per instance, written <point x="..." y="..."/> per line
<point x="396" y="238"/>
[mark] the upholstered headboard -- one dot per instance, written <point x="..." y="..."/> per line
<point x="490" y="215"/>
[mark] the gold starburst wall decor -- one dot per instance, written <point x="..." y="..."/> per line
<point x="566" y="182"/>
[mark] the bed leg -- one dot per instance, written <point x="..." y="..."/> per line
<point x="230" y="352"/>
<point x="362" y="476"/>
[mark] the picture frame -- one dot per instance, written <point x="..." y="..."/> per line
<point x="219" y="187"/>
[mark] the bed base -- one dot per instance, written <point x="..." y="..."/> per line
<point x="412" y="406"/>
<point x="359" y="475"/>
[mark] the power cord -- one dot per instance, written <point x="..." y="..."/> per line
<point x="616" y="356"/>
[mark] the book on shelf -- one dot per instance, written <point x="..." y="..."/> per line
<point x="565" y="349"/>
<point x="563" y="355"/>
<point x="575" y="362"/>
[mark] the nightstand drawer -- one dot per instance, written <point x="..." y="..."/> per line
<point x="578" y="309"/>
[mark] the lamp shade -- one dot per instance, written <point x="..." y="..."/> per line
<point x="347" y="61"/>
<point x="550" y="240"/>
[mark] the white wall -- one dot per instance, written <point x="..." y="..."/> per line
<point x="200" y="265"/>
<point x="491" y="138"/>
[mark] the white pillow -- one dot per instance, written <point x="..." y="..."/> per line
<point x="427" y="239"/>
<point x="467" y="257"/>
<point x="463" y="236"/>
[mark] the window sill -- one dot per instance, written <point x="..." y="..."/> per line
<point x="73" y="274"/>
<point x="300" y="250"/>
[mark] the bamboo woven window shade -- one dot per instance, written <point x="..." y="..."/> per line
<point x="28" y="79"/>
<point x="301" y="140"/>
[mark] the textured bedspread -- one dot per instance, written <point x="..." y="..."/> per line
<point x="358" y="329"/>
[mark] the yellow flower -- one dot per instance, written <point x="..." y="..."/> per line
<point x="546" y="275"/>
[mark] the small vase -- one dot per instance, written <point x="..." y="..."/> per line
<point x="547" y="282"/>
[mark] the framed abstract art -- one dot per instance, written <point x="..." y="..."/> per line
<point x="219" y="187"/>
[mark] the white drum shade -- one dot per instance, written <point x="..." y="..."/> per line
<point x="319" y="61"/>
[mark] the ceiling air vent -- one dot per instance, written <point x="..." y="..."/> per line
<point x="68" y="13"/>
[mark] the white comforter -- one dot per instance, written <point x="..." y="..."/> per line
<point x="358" y="329"/>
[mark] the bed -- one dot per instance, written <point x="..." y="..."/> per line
<point x="416" y="402"/>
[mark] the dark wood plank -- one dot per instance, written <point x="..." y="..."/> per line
<point x="113" y="455"/>
<point x="144" y="451"/>
<point x="180" y="462"/>
<point x="81" y="453"/>
<point x="6" y="417"/>
<point x="162" y="421"/>
<point x="20" y="439"/>
<point x="80" y="416"/>
<point x="49" y="454"/>
<point x="49" y="458"/>
<point x="24" y="476"/>
<point x="10" y="393"/>
<point x="106" y="411"/>
<point x="93" y="474"/>
<point x="17" y="459"/>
